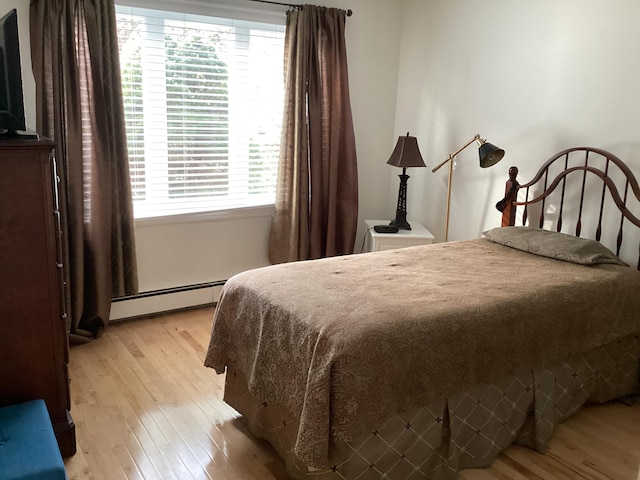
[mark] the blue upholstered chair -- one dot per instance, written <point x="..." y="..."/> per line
<point x="28" y="446"/>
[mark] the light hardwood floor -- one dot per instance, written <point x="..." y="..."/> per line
<point x="146" y="408"/>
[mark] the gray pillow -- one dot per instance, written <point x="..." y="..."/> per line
<point x="556" y="245"/>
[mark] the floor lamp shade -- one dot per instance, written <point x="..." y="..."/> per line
<point x="489" y="155"/>
<point x="406" y="154"/>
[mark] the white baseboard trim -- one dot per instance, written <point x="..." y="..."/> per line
<point x="149" y="305"/>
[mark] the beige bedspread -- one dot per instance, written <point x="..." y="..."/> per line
<point x="343" y="343"/>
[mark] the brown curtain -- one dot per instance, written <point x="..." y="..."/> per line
<point x="74" y="52"/>
<point x="317" y="193"/>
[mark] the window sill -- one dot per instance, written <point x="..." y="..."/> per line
<point x="211" y="216"/>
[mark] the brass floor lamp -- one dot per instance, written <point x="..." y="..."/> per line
<point x="489" y="156"/>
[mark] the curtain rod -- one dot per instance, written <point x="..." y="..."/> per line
<point x="292" y="5"/>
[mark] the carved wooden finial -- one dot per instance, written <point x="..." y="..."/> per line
<point x="506" y="205"/>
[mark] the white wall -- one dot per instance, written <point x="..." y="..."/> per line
<point x="532" y="77"/>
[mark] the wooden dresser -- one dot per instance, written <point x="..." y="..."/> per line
<point x="33" y="326"/>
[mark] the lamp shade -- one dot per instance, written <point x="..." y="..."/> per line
<point x="489" y="154"/>
<point x="406" y="153"/>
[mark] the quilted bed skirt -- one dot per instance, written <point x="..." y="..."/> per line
<point x="466" y="430"/>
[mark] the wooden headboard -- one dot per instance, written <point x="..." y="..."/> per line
<point x="585" y="163"/>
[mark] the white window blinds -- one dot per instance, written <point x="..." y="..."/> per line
<point x="203" y="108"/>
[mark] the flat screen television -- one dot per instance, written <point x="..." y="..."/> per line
<point x="12" y="119"/>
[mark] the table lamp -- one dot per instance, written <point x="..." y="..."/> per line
<point x="406" y="154"/>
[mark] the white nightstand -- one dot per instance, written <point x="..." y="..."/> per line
<point x="374" y="241"/>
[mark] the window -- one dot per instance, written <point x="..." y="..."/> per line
<point x="203" y="103"/>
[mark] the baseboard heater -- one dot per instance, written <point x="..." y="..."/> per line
<point x="170" y="290"/>
<point x="163" y="300"/>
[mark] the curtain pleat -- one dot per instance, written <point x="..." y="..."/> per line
<point x="287" y="239"/>
<point x="79" y="105"/>
<point x="317" y="193"/>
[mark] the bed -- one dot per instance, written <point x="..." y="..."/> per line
<point x="423" y="361"/>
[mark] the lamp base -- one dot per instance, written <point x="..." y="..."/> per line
<point x="400" y="221"/>
<point x="401" y="211"/>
